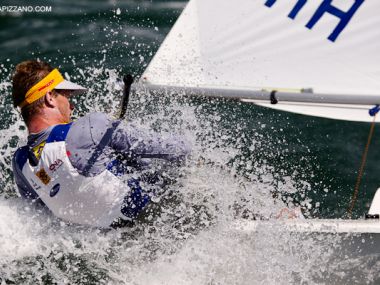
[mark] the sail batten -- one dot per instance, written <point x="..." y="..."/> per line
<point x="258" y="44"/>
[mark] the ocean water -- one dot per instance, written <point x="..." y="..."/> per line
<point x="247" y="162"/>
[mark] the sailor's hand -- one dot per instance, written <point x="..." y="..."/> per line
<point x="200" y="161"/>
<point x="287" y="213"/>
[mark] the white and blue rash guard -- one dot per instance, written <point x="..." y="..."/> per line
<point x="75" y="175"/>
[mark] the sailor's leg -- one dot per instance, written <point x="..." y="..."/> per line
<point x="135" y="201"/>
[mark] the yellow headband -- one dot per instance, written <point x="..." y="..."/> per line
<point x="47" y="84"/>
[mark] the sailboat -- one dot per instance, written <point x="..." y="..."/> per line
<point x="312" y="57"/>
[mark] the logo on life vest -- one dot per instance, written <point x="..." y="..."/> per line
<point x="55" y="190"/>
<point x="43" y="176"/>
<point x="37" y="150"/>
<point x="35" y="185"/>
<point x="55" y="165"/>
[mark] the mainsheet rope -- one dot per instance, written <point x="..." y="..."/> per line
<point x="361" y="169"/>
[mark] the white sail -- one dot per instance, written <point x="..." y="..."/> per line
<point x="329" y="47"/>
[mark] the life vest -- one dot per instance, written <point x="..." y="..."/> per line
<point x="95" y="201"/>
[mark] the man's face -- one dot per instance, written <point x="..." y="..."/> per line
<point x="64" y="105"/>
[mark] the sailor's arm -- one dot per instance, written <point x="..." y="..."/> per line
<point x="23" y="186"/>
<point x="97" y="129"/>
<point x="127" y="138"/>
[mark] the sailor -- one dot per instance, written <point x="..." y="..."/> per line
<point x="72" y="167"/>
